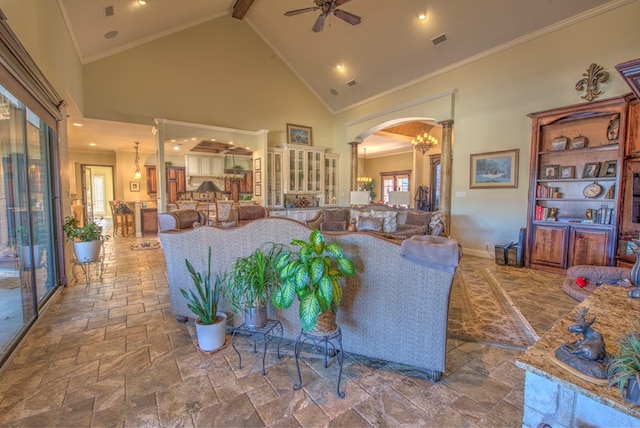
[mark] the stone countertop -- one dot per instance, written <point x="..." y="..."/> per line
<point x="615" y="314"/>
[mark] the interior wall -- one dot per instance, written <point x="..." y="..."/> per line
<point x="492" y="98"/>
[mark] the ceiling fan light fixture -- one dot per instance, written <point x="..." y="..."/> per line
<point x="422" y="16"/>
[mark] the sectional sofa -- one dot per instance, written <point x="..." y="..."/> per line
<point x="395" y="307"/>
<point x="383" y="220"/>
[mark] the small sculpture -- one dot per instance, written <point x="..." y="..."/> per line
<point x="589" y="354"/>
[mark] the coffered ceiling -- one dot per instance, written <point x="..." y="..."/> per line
<point x="390" y="48"/>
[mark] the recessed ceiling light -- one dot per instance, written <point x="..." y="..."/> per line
<point x="176" y="147"/>
<point x="333" y="91"/>
<point x="339" y="66"/>
<point x="92" y="144"/>
<point x="231" y="143"/>
<point x="142" y="2"/>
<point x="422" y="16"/>
<point x="110" y="34"/>
<point x="77" y="124"/>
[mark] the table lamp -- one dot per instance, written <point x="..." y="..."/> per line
<point x="207" y="187"/>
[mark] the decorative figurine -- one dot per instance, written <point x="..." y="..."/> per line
<point x="587" y="355"/>
<point x="352" y="226"/>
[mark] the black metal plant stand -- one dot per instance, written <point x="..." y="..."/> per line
<point x="331" y="341"/>
<point x="272" y="329"/>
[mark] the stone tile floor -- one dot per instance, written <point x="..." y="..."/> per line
<point x="112" y="354"/>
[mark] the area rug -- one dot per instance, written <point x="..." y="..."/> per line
<point x="147" y="245"/>
<point x="481" y="311"/>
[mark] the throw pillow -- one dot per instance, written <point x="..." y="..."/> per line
<point x="418" y="219"/>
<point x="333" y="226"/>
<point x="331" y="216"/>
<point x="390" y="223"/>
<point x="370" y="224"/>
<point x="358" y="215"/>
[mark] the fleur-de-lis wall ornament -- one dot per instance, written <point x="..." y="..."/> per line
<point x="594" y="75"/>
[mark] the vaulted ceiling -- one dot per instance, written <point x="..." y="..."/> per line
<point x="389" y="49"/>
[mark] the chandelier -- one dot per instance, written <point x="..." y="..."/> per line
<point x="424" y="142"/>
<point x="137" y="175"/>
<point x="364" y="178"/>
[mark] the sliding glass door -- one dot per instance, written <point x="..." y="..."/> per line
<point x="28" y="268"/>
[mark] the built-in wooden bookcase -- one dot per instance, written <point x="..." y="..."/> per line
<point x="577" y="155"/>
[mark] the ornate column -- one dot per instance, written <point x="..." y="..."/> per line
<point x="445" y="173"/>
<point x="354" y="164"/>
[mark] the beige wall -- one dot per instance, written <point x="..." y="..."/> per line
<point x="491" y="101"/>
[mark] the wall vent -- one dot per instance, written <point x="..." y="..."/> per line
<point x="108" y="11"/>
<point x="351" y="82"/>
<point x="439" y="39"/>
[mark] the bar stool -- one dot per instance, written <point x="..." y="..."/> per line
<point x="123" y="222"/>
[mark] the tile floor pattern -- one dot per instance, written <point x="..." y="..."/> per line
<point x="112" y="354"/>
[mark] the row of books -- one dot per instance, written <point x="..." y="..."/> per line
<point x="547" y="191"/>
<point x="602" y="215"/>
<point x="545" y="213"/>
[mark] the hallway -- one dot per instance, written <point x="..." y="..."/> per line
<point x="112" y="354"/>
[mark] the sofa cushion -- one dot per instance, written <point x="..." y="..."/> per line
<point x="390" y="223"/>
<point x="333" y="226"/>
<point x="418" y="219"/>
<point x="334" y="215"/>
<point x="185" y="218"/>
<point x="357" y="215"/>
<point x="251" y="212"/>
<point x="370" y="224"/>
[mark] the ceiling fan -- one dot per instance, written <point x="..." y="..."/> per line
<point x="327" y="7"/>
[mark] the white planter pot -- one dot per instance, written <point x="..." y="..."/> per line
<point x="87" y="251"/>
<point x="25" y="255"/>
<point x="212" y="337"/>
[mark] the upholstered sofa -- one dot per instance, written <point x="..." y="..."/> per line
<point x="386" y="221"/>
<point x="395" y="307"/>
<point x="180" y="219"/>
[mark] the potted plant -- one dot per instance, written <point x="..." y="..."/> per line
<point x="250" y="281"/>
<point x="203" y="302"/>
<point x="87" y="240"/>
<point x="313" y="274"/>
<point x="624" y="367"/>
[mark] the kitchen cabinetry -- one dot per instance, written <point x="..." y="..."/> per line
<point x="200" y="165"/>
<point x="331" y="162"/>
<point x="176" y="182"/>
<point x="575" y="173"/>
<point x="149" y="220"/>
<point x="275" y="190"/>
<point x="303" y="169"/>
<point x="300" y="215"/>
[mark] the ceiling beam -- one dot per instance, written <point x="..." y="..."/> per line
<point x="241" y="8"/>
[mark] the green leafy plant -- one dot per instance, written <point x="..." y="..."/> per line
<point x="204" y="302"/>
<point x="313" y="274"/>
<point x="625" y="363"/>
<point x="251" y="280"/>
<point x="89" y="232"/>
<point x="369" y="187"/>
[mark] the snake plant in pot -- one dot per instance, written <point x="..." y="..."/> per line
<point x="250" y="281"/>
<point x="624" y="367"/>
<point x="313" y="274"/>
<point x="203" y="302"/>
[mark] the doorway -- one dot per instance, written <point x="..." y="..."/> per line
<point x="97" y="190"/>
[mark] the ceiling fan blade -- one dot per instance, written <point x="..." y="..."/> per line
<point x="341" y="2"/>
<point x="347" y="16"/>
<point x="299" y="11"/>
<point x="319" y="25"/>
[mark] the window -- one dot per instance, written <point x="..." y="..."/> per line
<point x="434" y="197"/>
<point x="99" y="202"/>
<point x="394" y="181"/>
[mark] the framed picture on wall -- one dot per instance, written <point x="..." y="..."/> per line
<point x="494" y="169"/>
<point x="298" y="134"/>
<point x="258" y="177"/>
<point x="258" y="164"/>
<point x="134" y="186"/>
<point x="258" y="190"/>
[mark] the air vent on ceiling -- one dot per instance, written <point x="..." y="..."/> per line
<point x="108" y="11"/>
<point x="351" y="82"/>
<point x="439" y="39"/>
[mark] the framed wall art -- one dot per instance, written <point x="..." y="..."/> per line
<point x="258" y="190"/>
<point x="298" y="134"/>
<point x="258" y="178"/>
<point x="494" y="169"/>
<point x="258" y="164"/>
<point x="134" y="186"/>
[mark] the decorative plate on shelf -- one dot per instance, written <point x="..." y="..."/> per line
<point x="592" y="190"/>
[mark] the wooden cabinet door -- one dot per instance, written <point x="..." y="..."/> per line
<point x="549" y="245"/>
<point x="151" y="180"/>
<point x="149" y="221"/>
<point x="181" y="178"/>
<point x="589" y="246"/>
